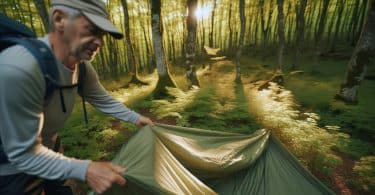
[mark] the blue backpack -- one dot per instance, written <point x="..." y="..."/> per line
<point x="14" y="33"/>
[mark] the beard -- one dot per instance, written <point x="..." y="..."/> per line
<point x="86" y="52"/>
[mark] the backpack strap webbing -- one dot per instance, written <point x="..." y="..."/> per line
<point x="81" y="81"/>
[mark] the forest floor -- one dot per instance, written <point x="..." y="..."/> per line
<point x="241" y="107"/>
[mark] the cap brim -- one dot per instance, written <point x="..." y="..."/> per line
<point x="104" y="24"/>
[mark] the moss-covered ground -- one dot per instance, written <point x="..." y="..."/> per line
<point x="334" y="140"/>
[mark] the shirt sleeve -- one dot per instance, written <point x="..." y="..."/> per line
<point x="21" y="115"/>
<point x="97" y="96"/>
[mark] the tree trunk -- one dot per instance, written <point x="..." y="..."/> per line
<point x="300" y="12"/>
<point x="354" y="23"/>
<point x="132" y="58"/>
<point x="242" y="35"/>
<point x="361" y="20"/>
<point x="365" y="49"/>
<point x="290" y="25"/>
<point x="262" y="23"/>
<point x="191" y="23"/>
<point x="340" y="8"/>
<point x="230" y="28"/>
<point x="31" y="17"/>
<point x="211" y="39"/>
<point x="165" y="79"/>
<point x="321" y="26"/>
<point x="42" y="10"/>
<point x="281" y="32"/>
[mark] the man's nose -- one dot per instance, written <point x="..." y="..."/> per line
<point x="99" y="41"/>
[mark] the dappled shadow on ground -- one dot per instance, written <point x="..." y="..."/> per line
<point x="134" y="93"/>
<point x="275" y="109"/>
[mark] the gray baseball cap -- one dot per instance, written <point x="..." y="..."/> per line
<point x="95" y="11"/>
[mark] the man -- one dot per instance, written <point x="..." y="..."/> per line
<point x="28" y="122"/>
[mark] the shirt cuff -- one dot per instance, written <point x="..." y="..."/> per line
<point x="134" y="117"/>
<point x="78" y="169"/>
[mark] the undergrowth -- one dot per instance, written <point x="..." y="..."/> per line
<point x="196" y="108"/>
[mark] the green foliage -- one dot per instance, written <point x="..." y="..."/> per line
<point x="194" y="103"/>
<point x="365" y="169"/>
<point x="324" y="163"/>
<point x="355" y="147"/>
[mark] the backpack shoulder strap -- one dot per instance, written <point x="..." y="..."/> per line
<point x="81" y="82"/>
<point x="81" y="76"/>
<point x="12" y="27"/>
<point x="48" y="65"/>
<point x="46" y="60"/>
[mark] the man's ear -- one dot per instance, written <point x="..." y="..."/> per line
<point x="58" y="18"/>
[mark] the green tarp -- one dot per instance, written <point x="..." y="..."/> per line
<point x="165" y="159"/>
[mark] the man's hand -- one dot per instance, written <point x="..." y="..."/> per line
<point x="101" y="175"/>
<point x="142" y="121"/>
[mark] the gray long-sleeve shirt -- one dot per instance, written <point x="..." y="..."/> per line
<point x="27" y="120"/>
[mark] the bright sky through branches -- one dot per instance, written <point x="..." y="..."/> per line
<point x="203" y="12"/>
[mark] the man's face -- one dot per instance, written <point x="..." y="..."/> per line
<point x="84" y="38"/>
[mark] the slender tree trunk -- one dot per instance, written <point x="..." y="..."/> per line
<point x="281" y="32"/>
<point x="31" y="16"/>
<point x="256" y="31"/>
<point x="42" y="10"/>
<point x="300" y="12"/>
<point x="230" y="28"/>
<point x="146" y="36"/>
<point x="165" y="79"/>
<point x="344" y="30"/>
<point x="340" y="8"/>
<point x="262" y="23"/>
<point x="203" y="38"/>
<point x="354" y="22"/>
<point x="356" y="69"/>
<point x="212" y="29"/>
<point x="321" y="26"/>
<point x="191" y="23"/>
<point x="361" y="20"/>
<point x="242" y="35"/>
<point x="309" y="20"/>
<point x="330" y="26"/>
<point x="132" y="58"/>
<point x="290" y="25"/>
<point x="173" y="49"/>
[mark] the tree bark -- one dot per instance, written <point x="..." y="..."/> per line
<point x="365" y="49"/>
<point x="321" y="26"/>
<point x="191" y="23"/>
<point x="300" y="12"/>
<point x="212" y="29"/>
<point x="361" y="20"/>
<point x="230" y="28"/>
<point x="340" y="8"/>
<point x="242" y="35"/>
<point x="281" y="32"/>
<point x="165" y="79"/>
<point x="132" y="58"/>
<point x="354" y="22"/>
